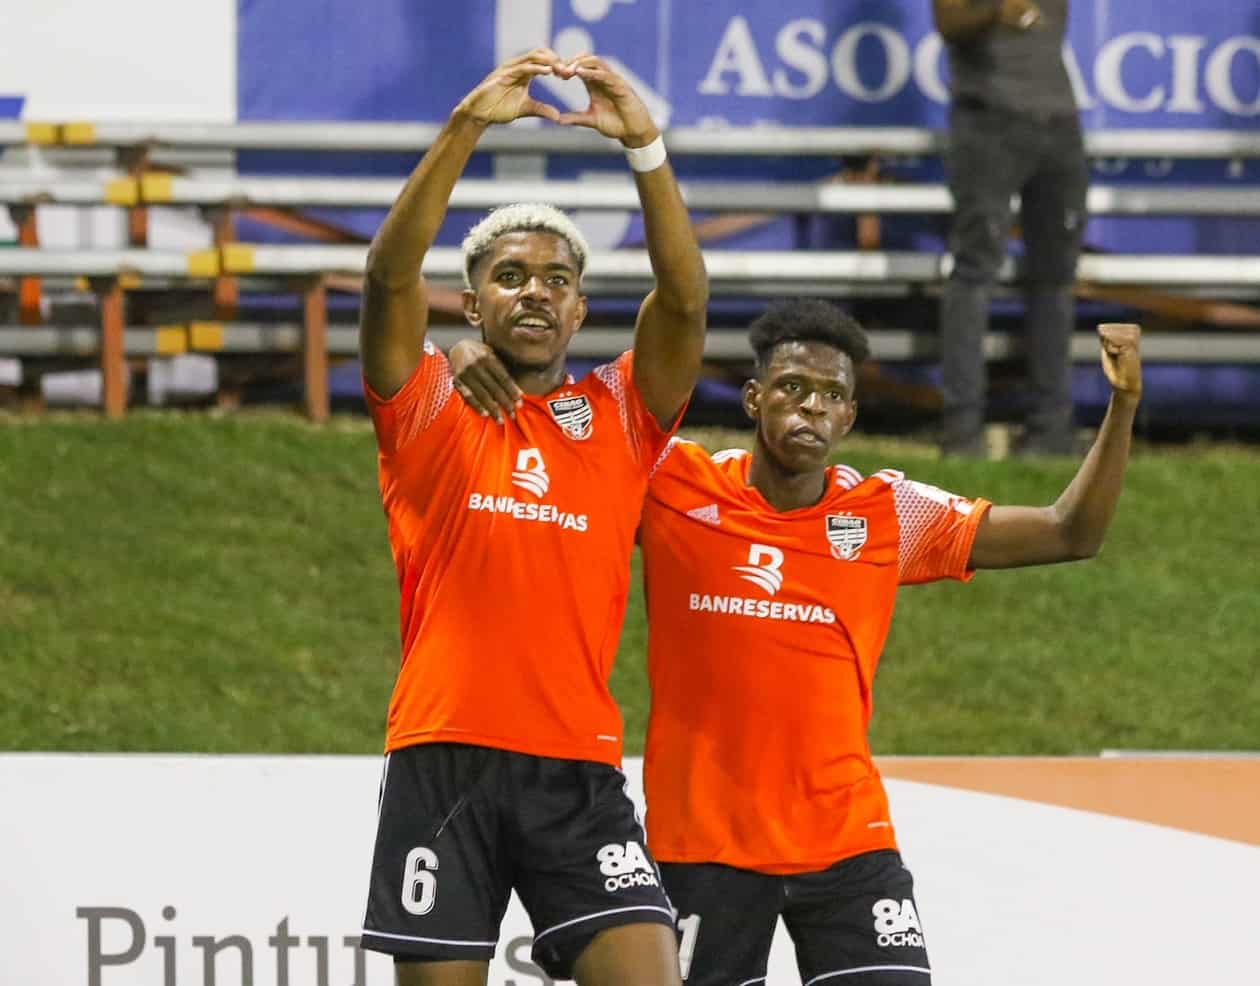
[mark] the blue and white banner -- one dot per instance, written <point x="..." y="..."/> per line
<point x="799" y="62"/>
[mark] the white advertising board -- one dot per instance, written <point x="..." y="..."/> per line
<point x="125" y="60"/>
<point x="251" y="871"/>
<point x="160" y="60"/>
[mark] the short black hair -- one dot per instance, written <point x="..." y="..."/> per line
<point x="806" y="320"/>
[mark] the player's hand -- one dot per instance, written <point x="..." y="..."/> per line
<point x="503" y="95"/>
<point x="1122" y="357"/>
<point x="615" y="110"/>
<point x="483" y="381"/>
<point x="1021" y="15"/>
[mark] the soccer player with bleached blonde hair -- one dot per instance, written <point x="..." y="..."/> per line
<point x="512" y="538"/>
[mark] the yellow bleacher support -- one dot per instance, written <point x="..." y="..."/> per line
<point x="155" y="188"/>
<point x="81" y="132"/>
<point x="205" y="335"/>
<point x="203" y="263"/>
<point x="42" y="133"/>
<point x="172" y="339"/>
<point x="238" y="258"/>
<point x="122" y="191"/>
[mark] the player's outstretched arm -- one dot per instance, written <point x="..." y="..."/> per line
<point x="395" y="306"/>
<point x="669" y="333"/>
<point x="1075" y="526"/>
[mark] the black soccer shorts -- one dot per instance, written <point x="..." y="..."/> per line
<point x="460" y="827"/>
<point x="853" y="924"/>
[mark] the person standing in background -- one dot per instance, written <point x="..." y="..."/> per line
<point x="1013" y="129"/>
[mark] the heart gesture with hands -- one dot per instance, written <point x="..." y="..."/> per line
<point x="615" y="109"/>
<point x="503" y="96"/>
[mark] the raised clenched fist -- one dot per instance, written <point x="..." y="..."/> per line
<point x="1122" y="356"/>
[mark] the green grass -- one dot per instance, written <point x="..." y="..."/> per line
<point x="201" y="583"/>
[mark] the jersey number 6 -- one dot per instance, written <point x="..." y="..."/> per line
<point x="419" y="890"/>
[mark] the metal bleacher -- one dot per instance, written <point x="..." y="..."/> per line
<point x="141" y="166"/>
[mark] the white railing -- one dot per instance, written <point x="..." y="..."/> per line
<point x="767" y="140"/>
<point x="892" y="345"/>
<point x="729" y="270"/>
<point x="731" y="196"/>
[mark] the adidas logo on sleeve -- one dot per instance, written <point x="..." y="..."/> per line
<point x="707" y="513"/>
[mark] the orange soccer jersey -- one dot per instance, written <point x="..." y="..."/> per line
<point x="512" y="544"/>
<point x="765" y="630"/>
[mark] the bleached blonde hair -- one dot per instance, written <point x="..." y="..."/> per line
<point x="528" y="216"/>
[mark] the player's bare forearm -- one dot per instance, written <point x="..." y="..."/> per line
<point x="395" y="308"/>
<point x="962" y="20"/>
<point x="413" y="222"/>
<point x="1088" y="504"/>
<point x="669" y="334"/>
<point x="1075" y="526"/>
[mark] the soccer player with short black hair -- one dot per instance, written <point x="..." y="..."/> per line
<point x="804" y="320"/>
<point x="771" y="578"/>
<point x="512" y="543"/>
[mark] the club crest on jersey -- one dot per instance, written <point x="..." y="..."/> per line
<point x="575" y="415"/>
<point x="847" y="535"/>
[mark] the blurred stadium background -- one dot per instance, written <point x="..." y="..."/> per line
<point x="184" y="209"/>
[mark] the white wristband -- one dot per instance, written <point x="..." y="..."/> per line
<point x="649" y="157"/>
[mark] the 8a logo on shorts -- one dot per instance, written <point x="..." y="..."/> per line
<point x="625" y="867"/>
<point x="897" y="924"/>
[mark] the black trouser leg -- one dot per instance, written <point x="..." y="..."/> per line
<point x="1053" y="214"/>
<point x="964" y="322"/>
<point x="1051" y="317"/>
<point x="985" y="165"/>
